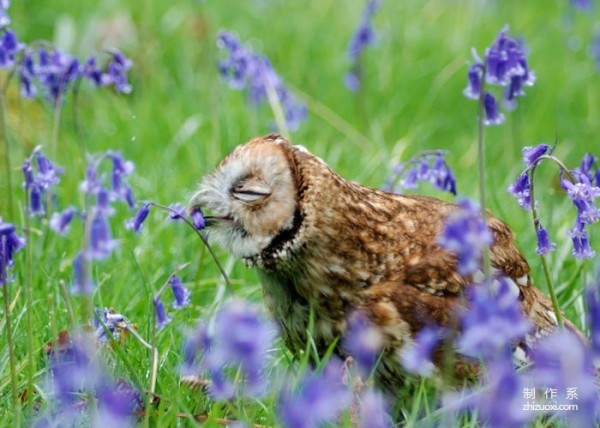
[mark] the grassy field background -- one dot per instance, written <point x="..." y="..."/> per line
<point x="181" y="119"/>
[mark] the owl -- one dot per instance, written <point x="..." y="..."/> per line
<point x="325" y="247"/>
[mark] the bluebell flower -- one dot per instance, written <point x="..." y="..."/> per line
<point x="181" y="293"/>
<point x="571" y="368"/>
<point x="177" y="211"/>
<point x="10" y="243"/>
<point x="82" y="282"/>
<point x="493" y="115"/>
<point x="121" y="168"/>
<point x="474" y="76"/>
<point x="363" y="342"/>
<point x="91" y="184"/>
<point x="56" y="73"/>
<point x="60" y="222"/>
<point x="374" y="410"/>
<point x="9" y="47"/>
<point x="416" y="357"/>
<point x="244" y="69"/>
<point x="242" y="338"/>
<point x="319" y="399"/>
<point x="138" y="220"/>
<point x="195" y="347"/>
<point x="583" y="195"/>
<point x="363" y="36"/>
<point x="39" y="183"/>
<point x="162" y="319"/>
<point x="427" y="166"/>
<point x="544" y="246"/>
<point x="581" y="243"/>
<point x="107" y="319"/>
<point x="197" y="218"/>
<point x="118" y="67"/>
<point x="493" y="319"/>
<point x="586" y="167"/>
<point x="466" y="234"/>
<point x="531" y="155"/>
<point x="101" y="244"/>
<point x="521" y="189"/>
<point x="583" y="5"/>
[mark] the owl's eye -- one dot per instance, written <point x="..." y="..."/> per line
<point x="251" y="190"/>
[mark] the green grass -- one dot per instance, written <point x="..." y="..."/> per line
<point x="181" y="119"/>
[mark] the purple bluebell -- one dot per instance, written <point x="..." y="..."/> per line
<point x="118" y="67"/>
<point x="571" y="368"/>
<point x="162" y="318"/>
<point x="27" y="73"/>
<point x="493" y="319"/>
<point x="324" y="393"/>
<point x="466" y="234"/>
<point x="441" y="176"/>
<point x="103" y="202"/>
<point x="117" y="405"/>
<point x="583" y="195"/>
<point x="583" y="5"/>
<point x="4" y="18"/>
<point x="581" y="243"/>
<point x="60" y="222"/>
<point x="177" y="211"/>
<point x="544" y="246"/>
<point x="10" y="243"/>
<point x="106" y="319"/>
<point x="531" y="155"/>
<point x="374" y="410"/>
<point x="521" y="189"/>
<point x="363" y="342"/>
<point x="197" y="344"/>
<point x="474" y="76"/>
<point x="427" y="166"/>
<point x="416" y="357"/>
<point x="586" y="167"/>
<point x="493" y="115"/>
<point x="101" y="244"/>
<point x="91" y="184"/>
<point x="244" y="69"/>
<point x="121" y="168"/>
<point x="9" y="47"/>
<point x="138" y="220"/>
<point x="39" y="182"/>
<point x="82" y="282"/>
<point x="180" y="292"/>
<point x="363" y="36"/>
<point x="197" y="218"/>
<point x="56" y="73"/>
<point x="242" y="338"/>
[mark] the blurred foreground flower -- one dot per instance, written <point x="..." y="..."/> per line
<point x="505" y="65"/>
<point x="363" y="342"/>
<point x="239" y="341"/>
<point x="362" y="37"/>
<point x="244" y="69"/>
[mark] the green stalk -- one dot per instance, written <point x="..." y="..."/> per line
<point x="56" y="126"/>
<point x="9" y="340"/>
<point x="487" y="262"/>
<point x="29" y="298"/>
<point x="6" y="157"/>
<point x="275" y="104"/>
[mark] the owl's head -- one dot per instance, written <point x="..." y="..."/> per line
<point x="251" y="198"/>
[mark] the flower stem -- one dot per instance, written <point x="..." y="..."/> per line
<point x="9" y="338"/>
<point x="536" y="225"/>
<point x="6" y="157"/>
<point x="29" y="299"/>
<point x="56" y="126"/>
<point x="487" y="262"/>
<point x="275" y="104"/>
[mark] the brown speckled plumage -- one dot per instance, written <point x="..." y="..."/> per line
<point x="319" y="241"/>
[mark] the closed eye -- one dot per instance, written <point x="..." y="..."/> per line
<point x="251" y="190"/>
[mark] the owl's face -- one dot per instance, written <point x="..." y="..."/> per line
<point x="250" y="198"/>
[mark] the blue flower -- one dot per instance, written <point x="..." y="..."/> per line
<point x="474" y="75"/>
<point x="244" y="69"/>
<point x="583" y="5"/>
<point x="162" y="319"/>
<point x="521" y="189"/>
<point x="101" y="244"/>
<point x="60" y="222"/>
<point x="177" y="211"/>
<point x="581" y="243"/>
<point x="320" y="398"/>
<point x="586" y="167"/>
<point x="466" y="234"/>
<point x="363" y="36"/>
<point x="531" y="155"/>
<point x="363" y="342"/>
<point x="195" y="347"/>
<point x="492" y="320"/>
<point x="181" y="293"/>
<point x="38" y="183"/>
<point x="138" y="220"/>
<point x="9" y="47"/>
<point x="428" y="166"/>
<point x="4" y="18"/>
<point x="493" y="115"/>
<point x="197" y="218"/>
<point x="544" y="246"/>
<point x="374" y="410"/>
<point x="416" y="357"/>
<point x="10" y="243"/>
<point x="82" y="282"/>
